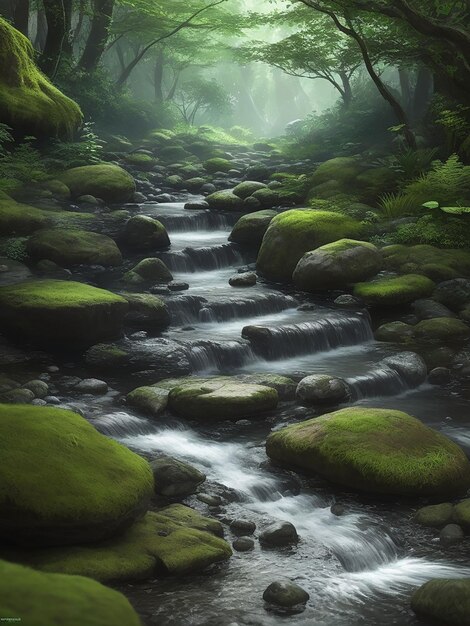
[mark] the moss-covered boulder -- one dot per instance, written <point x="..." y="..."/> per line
<point x="144" y="233"/>
<point x="29" y="103"/>
<point x="217" y="164"/>
<point x="62" y="482"/>
<point x="442" y="330"/>
<point x="443" y="601"/>
<point x="174" y="540"/>
<point x="72" y="247"/>
<point x="250" y="228"/>
<point x="395" y="332"/>
<point x="267" y="198"/>
<point x="248" y="188"/>
<point x="146" y="310"/>
<point x="150" y="400"/>
<point x="374" y="450"/>
<point x="390" y="292"/>
<point x="19" y="219"/>
<point x="148" y="271"/>
<point x="435" y="515"/>
<point x="427" y="259"/>
<point x="174" y="478"/>
<point x="58" y="313"/>
<point x="225" y="200"/>
<point x="337" y="265"/>
<point x="293" y="233"/>
<point x="106" y="181"/>
<point x="221" y="399"/>
<point x="461" y="514"/>
<point x="344" y="170"/>
<point x="42" y="599"/>
<point x="141" y="161"/>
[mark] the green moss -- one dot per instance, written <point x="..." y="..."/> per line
<point x="250" y="228"/>
<point x="173" y="154"/>
<point x="173" y="540"/>
<point x="442" y="329"/>
<point x="374" y="450"/>
<point x="72" y="247"/>
<point x="248" y="188"/>
<point x="394" y="291"/>
<point x="341" y="169"/>
<point x="461" y="514"/>
<point x="150" y="400"/>
<point x="144" y="162"/>
<point x="146" y="310"/>
<point x="445" y="601"/>
<point x="395" y="332"/>
<point x="293" y="233"/>
<point x="57" y="188"/>
<point x="217" y="165"/>
<point x="61" y="311"/>
<point x="29" y="103"/>
<point x="19" y="219"/>
<point x="225" y="201"/>
<point x="59" y="473"/>
<point x="106" y="181"/>
<point x="435" y="515"/>
<point x="429" y="260"/>
<point x="55" y="600"/>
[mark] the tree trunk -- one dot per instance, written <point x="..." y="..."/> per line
<point x="55" y="17"/>
<point x="346" y="93"/>
<point x="158" y="75"/>
<point x="68" y="42"/>
<point x="21" y="16"/>
<point x="405" y="88"/>
<point x="41" y="30"/>
<point x="98" y="37"/>
<point x="423" y="92"/>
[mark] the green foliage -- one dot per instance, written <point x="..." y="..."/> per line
<point x="443" y="233"/>
<point x="22" y="164"/>
<point x="454" y="120"/>
<point x="86" y="150"/>
<point x="14" y="248"/>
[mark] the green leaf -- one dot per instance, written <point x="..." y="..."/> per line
<point x="431" y="205"/>
<point x="456" y="210"/>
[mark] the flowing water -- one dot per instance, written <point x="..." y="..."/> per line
<point x="360" y="567"/>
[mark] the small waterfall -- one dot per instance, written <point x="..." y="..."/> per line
<point x="176" y="219"/>
<point x="206" y="258"/>
<point x="217" y="356"/>
<point x="185" y="309"/>
<point x="121" y="424"/>
<point x="381" y="381"/>
<point x="320" y="335"/>
<point x="246" y="306"/>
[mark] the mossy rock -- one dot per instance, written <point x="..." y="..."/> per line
<point x="150" y="400"/>
<point x="434" y="262"/>
<point x="435" y="515"/>
<point x="217" y="165"/>
<point x="174" y="540"/>
<point x="293" y="233"/>
<point x="250" y="228"/>
<point x="63" y="482"/>
<point x="248" y="188"/>
<point x="144" y="233"/>
<point x="444" y="601"/>
<point x="57" y="188"/>
<point x="29" y="103"/>
<point x="461" y="514"/>
<point x="336" y="265"/>
<point x="267" y="198"/>
<point x="61" y="313"/>
<point x="374" y="450"/>
<point x="151" y="270"/>
<point x="107" y="181"/>
<point x="174" y="478"/>
<point x="442" y="330"/>
<point x="221" y="399"/>
<point x="19" y="219"/>
<point x="141" y="161"/>
<point x="391" y="292"/>
<point x="344" y="170"/>
<point x="146" y="311"/>
<point x="225" y="200"/>
<point x="73" y="247"/>
<point x="376" y="182"/>
<point x="42" y="599"/>
<point x="395" y="332"/>
<point x="173" y="154"/>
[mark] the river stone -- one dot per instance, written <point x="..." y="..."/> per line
<point x="451" y="535"/>
<point x="105" y="180"/>
<point x="435" y="515"/>
<point x="43" y="599"/>
<point x="72" y="247"/>
<point x="221" y="399"/>
<point x="336" y="265"/>
<point x="17" y="396"/>
<point x="248" y="188"/>
<point x="92" y="386"/>
<point x="454" y="294"/>
<point x="246" y="279"/>
<point x="279" y="534"/>
<point x="428" y="309"/>
<point x="393" y="292"/>
<point x="462" y="514"/>
<point x="150" y="400"/>
<point x="144" y="233"/>
<point x="322" y="389"/>
<point x="440" y="376"/>
<point x="409" y="365"/>
<point x="173" y="540"/>
<point x="146" y="311"/>
<point x="242" y="527"/>
<point x="63" y="482"/>
<point x="38" y="387"/>
<point x="441" y="330"/>
<point x="174" y="478"/>
<point x="284" y="386"/>
<point x="250" y="228"/>
<point x="445" y="601"/>
<point x="395" y="332"/>
<point x="374" y="450"/>
<point x="285" y="593"/>
<point x="224" y="200"/>
<point x="293" y="233"/>
<point x="243" y="544"/>
<point x="61" y="313"/>
<point x="150" y="270"/>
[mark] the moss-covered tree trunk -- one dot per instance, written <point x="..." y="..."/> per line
<point x="99" y="33"/>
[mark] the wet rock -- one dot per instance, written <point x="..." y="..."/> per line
<point x="451" y="535"/>
<point x="395" y="332"/>
<point x="285" y="593"/>
<point x="225" y="200"/>
<point x="394" y="292"/>
<point x="248" y="188"/>
<point x="39" y="402"/>
<point x="92" y="386"/>
<point x="38" y="387"/>
<point x="146" y="311"/>
<point x="461" y="514"/>
<point x="347" y="301"/>
<point x="17" y="396"/>
<point x="444" y="601"/>
<point x="174" y="478"/>
<point x="248" y="279"/>
<point x="454" y="294"/>
<point x="139" y="197"/>
<point x="439" y="376"/>
<point x="178" y="285"/>
<point x="442" y="330"/>
<point x="242" y="527"/>
<point x="150" y="270"/>
<point x="428" y="309"/>
<point x="211" y="501"/>
<point x="52" y="400"/>
<point x="202" y="205"/>
<point x="208" y="188"/>
<point x="150" y="400"/>
<point x="338" y="509"/>
<point x="284" y="386"/>
<point x="435" y="515"/>
<point x="144" y="233"/>
<point x="409" y="365"/>
<point x="243" y="544"/>
<point x="322" y="389"/>
<point x="49" y="268"/>
<point x="279" y="534"/>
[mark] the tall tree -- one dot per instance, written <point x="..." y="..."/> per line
<point x="54" y="11"/>
<point x="98" y="36"/>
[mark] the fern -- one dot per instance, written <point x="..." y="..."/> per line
<point x="398" y="204"/>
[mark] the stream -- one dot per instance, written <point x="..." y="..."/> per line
<point x="359" y="567"/>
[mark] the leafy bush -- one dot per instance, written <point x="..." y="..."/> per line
<point x="85" y="151"/>
<point x="443" y="233"/>
<point x="22" y="164"/>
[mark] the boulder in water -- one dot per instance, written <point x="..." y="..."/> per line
<point x="217" y="164"/>
<point x="442" y="330"/>
<point x="144" y="233"/>
<point x="19" y="219"/>
<point x="174" y="478"/>
<point x="461" y="514"/>
<point x="72" y="247"/>
<point x="409" y="365"/>
<point x="392" y="292"/>
<point x="454" y="294"/>
<point x="395" y="332"/>
<point x="451" y="535"/>
<point x="61" y="313"/>
<point x="293" y="233"/>
<point x="374" y="450"/>
<point x="248" y="188"/>
<point x="322" y="389"/>
<point x="435" y="515"/>
<point x="444" y="601"/>
<point x="336" y="265"/>
<point x="148" y="271"/>
<point x="106" y="181"/>
<point x="250" y="228"/>
<point x="224" y="200"/>
<point x="63" y="482"/>
<point x="146" y="311"/>
<point x="246" y="279"/>
<point x="279" y="534"/>
<point x="285" y="593"/>
<point x="58" y="600"/>
<point x="150" y="400"/>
